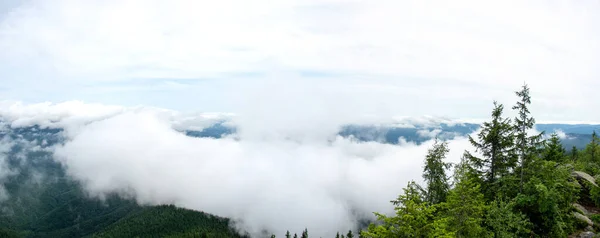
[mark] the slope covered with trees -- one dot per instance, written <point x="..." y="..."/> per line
<point x="515" y="184"/>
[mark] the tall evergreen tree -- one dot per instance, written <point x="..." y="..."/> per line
<point x="495" y="143"/>
<point x="466" y="204"/>
<point x="434" y="173"/>
<point x="574" y="153"/>
<point x="591" y="149"/>
<point x="413" y="217"/>
<point x="337" y="235"/>
<point x="288" y="235"/>
<point x="525" y="144"/>
<point x="304" y="233"/>
<point x="553" y="150"/>
<point x="350" y="235"/>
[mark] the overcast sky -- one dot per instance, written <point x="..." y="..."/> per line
<point x="409" y="58"/>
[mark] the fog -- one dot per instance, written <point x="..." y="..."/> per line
<point x="298" y="179"/>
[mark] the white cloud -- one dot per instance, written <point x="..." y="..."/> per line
<point x="312" y="181"/>
<point x="407" y="57"/>
<point x="72" y="115"/>
<point x="426" y="133"/>
<point x="561" y="134"/>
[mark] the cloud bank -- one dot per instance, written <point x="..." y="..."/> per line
<point x="296" y="179"/>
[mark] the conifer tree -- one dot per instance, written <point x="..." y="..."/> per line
<point x="495" y="143"/>
<point x="304" y="233"/>
<point x="434" y="173"/>
<point x="466" y="204"/>
<point x="592" y="149"/>
<point x="350" y="235"/>
<point x="525" y="144"/>
<point x="553" y="150"/>
<point x="413" y="217"/>
<point x="337" y="235"/>
<point x="574" y="154"/>
<point x="295" y="235"/>
<point x="288" y="235"/>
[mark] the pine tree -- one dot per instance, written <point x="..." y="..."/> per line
<point x="525" y="145"/>
<point x="295" y="235"/>
<point x="434" y="173"/>
<point x="413" y="217"/>
<point x="288" y="235"/>
<point x="495" y="143"/>
<point x="304" y="233"/>
<point x="466" y="204"/>
<point x="350" y="235"/>
<point x="337" y="235"/>
<point x="574" y="154"/>
<point x="505" y="222"/>
<point x="591" y="149"/>
<point x="553" y="150"/>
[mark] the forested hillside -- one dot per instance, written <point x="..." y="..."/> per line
<point x="514" y="184"/>
<point x="42" y="201"/>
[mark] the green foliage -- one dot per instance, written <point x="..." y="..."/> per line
<point x="466" y="205"/>
<point x="495" y="143"/>
<point x="505" y="222"/>
<point x="413" y="216"/>
<point x="595" y="218"/>
<point x="573" y="154"/>
<point x="169" y="221"/>
<point x="589" y="159"/>
<point x="553" y="150"/>
<point x="434" y="173"/>
<point x="494" y="195"/>
<point x="304" y="234"/>
<point x="547" y="197"/>
<point x="8" y="233"/>
<point x="592" y="150"/>
<point x="526" y="146"/>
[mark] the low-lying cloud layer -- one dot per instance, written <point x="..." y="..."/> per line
<point x="291" y="181"/>
<point x="266" y="184"/>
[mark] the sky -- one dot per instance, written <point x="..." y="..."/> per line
<point x="123" y="78"/>
<point x="393" y="58"/>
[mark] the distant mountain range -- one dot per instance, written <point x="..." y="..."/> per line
<point x="571" y="135"/>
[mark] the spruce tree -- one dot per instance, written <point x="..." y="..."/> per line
<point x="591" y="150"/>
<point x="495" y="143"/>
<point x="304" y="233"/>
<point x="525" y="144"/>
<point x="434" y="173"/>
<point x="295" y="235"/>
<point x="574" y="154"/>
<point x="337" y="235"/>
<point x="288" y="235"/>
<point x="466" y="204"/>
<point x="553" y="150"/>
<point x="350" y="235"/>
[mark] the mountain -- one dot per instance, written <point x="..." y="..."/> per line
<point x="40" y="200"/>
<point x="577" y="135"/>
